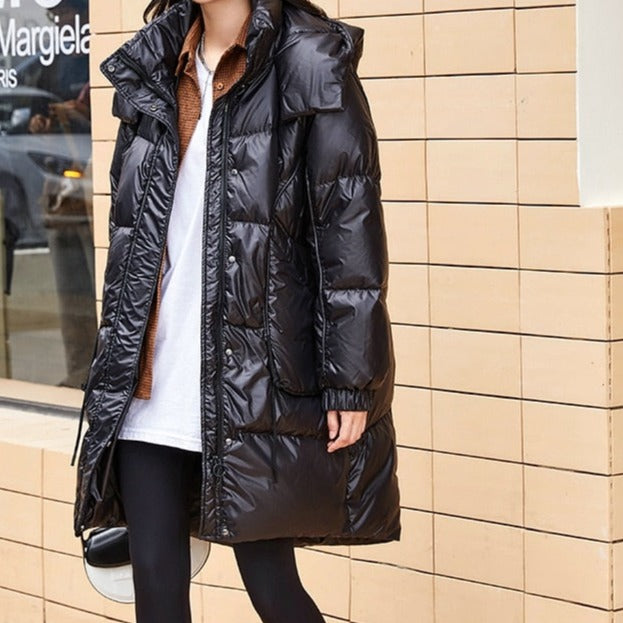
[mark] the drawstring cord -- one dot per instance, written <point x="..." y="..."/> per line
<point x="73" y="457"/>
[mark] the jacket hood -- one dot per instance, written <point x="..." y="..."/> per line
<point x="314" y="54"/>
<point x="356" y="48"/>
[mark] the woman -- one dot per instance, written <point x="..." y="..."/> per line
<point x="241" y="385"/>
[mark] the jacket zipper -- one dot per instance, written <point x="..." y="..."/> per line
<point x="215" y="464"/>
<point x="221" y="528"/>
<point x="204" y="445"/>
<point x="209" y="462"/>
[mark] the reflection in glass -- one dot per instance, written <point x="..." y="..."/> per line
<point x="48" y="318"/>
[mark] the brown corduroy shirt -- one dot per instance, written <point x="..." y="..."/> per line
<point x="229" y="70"/>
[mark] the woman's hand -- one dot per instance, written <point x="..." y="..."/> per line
<point x="345" y="428"/>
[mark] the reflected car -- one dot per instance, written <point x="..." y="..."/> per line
<point x="41" y="173"/>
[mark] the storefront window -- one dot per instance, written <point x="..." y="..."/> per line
<point x="47" y="301"/>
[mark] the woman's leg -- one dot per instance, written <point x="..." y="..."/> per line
<point x="153" y="481"/>
<point x="268" y="570"/>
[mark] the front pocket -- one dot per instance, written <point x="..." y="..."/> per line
<point x="289" y="317"/>
<point x="292" y="361"/>
<point x="243" y="278"/>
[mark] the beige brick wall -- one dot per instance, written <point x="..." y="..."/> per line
<point x="505" y="297"/>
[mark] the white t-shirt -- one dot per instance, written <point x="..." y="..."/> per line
<point x="172" y="415"/>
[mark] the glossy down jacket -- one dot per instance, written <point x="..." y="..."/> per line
<point x="297" y="324"/>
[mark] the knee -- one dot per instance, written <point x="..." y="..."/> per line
<point x="161" y="572"/>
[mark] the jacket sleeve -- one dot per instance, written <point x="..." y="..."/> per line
<point x="352" y="325"/>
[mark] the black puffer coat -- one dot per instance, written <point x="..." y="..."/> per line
<point x="298" y="324"/>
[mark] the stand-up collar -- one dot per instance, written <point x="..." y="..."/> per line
<point x="150" y="58"/>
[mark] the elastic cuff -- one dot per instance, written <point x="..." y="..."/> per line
<point x="346" y="399"/>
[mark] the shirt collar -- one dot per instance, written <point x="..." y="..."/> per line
<point x="191" y="41"/>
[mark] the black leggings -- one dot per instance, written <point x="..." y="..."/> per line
<point x="153" y="482"/>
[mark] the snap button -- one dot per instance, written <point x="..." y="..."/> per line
<point x="228" y="351"/>
<point x="111" y="68"/>
<point x="228" y="441"/>
<point x="153" y="107"/>
<point x="234" y="171"/>
<point x="224" y="531"/>
<point x="232" y="258"/>
<point x="220" y="86"/>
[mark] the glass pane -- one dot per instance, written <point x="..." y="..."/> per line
<point x="47" y="301"/>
